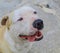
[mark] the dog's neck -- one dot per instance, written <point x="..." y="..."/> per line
<point x="17" y="45"/>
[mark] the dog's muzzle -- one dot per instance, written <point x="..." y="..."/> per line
<point x="38" y="24"/>
<point x="35" y="37"/>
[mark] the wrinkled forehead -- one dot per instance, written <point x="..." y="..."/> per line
<point x="21" y="11"/>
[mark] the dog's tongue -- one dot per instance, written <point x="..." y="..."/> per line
<point x="32" y="38"/>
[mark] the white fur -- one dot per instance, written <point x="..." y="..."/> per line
<point x="17" y="47"/>
<point x="24" y="27"/>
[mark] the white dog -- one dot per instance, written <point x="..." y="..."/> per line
<point x="23" y="28"/>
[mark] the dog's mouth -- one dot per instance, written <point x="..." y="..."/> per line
<point x="35" y="37"/>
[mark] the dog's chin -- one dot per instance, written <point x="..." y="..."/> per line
<point x="31" y="38"/>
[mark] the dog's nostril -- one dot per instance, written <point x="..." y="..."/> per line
<point x="38" y="24"/>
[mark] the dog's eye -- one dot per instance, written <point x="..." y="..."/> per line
<point x="35" y="12"/>
<point x="20" y="19"/>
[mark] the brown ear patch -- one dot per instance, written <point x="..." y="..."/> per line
<point x="4" y="20"/>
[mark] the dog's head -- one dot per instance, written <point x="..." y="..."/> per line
<point x="24" y="23"/>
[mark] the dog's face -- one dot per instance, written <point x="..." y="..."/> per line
<point x="26" y="24"/>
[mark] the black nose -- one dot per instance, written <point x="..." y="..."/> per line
<point x="38" y="24"/>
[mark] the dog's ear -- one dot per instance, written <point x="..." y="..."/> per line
<point x="4" y="20"/>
